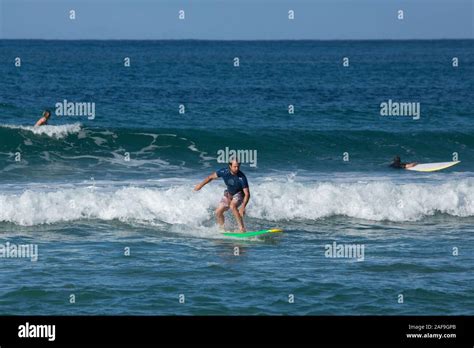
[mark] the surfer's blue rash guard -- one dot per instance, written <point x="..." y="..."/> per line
<point x="235" y="183"/>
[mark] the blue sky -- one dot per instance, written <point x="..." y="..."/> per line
<point x="236" y="19"/>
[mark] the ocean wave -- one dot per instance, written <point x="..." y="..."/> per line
<point x="57" y="132"/>
<point x="311" y="150"/>
<point x="271" y="201"/>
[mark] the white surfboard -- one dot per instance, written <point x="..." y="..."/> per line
<point x="432" y="167"/>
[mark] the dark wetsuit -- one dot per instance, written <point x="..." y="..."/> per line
<point x="399" y="165"/>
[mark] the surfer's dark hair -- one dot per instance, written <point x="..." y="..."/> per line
<point x="397" y="159"/>
<point x="48" y="111"/>
<point x="232" y="160"/>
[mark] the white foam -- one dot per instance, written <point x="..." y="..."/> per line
<point x="372" y="201"/>
<point x="271" y="201"/>
<point x="176" y="205"/>
<point x="57" y="132"/>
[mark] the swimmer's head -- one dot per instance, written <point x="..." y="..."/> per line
<point x="46" y="114"/>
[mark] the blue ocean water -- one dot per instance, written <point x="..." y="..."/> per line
<point x="321" y="174"/>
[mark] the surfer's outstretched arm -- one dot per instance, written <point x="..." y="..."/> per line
<point x="44" y="119"/>
<point x="409" y="165"/>
<point x="40" y="122"/>
<point x="205" y="181"/>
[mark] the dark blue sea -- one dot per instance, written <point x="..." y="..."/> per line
<point x="108" y="198"/>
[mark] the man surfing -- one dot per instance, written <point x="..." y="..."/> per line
<point x="237" y="193"/>
<point x="397" y="163"/>
<point x="43" y="121"/>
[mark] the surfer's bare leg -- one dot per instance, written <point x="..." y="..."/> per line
<point x="220" y="215"/>
<point x="238" y="217"/>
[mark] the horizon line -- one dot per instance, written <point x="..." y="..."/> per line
<point x="243" y="40"/>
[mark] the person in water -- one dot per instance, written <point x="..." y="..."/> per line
<point x="43" y="121"/>
<point x="397" y="163"/>
<point x="237" y="193"/>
